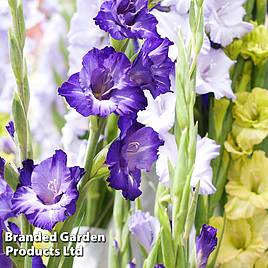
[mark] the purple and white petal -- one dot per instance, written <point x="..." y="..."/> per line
<point x="103" y="85"/>
<point x="48" y="192"/>
<point x="11" y="128"/>
<point x="152" y="67"/>
<point x="126" y="19"/>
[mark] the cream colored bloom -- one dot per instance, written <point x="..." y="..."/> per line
<point x="247" y="186"/>
<point x="251" y="118"/>
<point x="243" y="241"/>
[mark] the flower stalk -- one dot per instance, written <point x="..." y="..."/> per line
<point x="18" y="63"/>
<point x="185" y="132"/>
<point x="21" y="98"/>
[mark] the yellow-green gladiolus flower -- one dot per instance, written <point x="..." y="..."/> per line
<point x="251" y="118"/>
<point x="262" y="262"/>
<point x="247" y="186"/>
<point x="243" y="241"/>
<point x="232" y="147"/>
<point x="255" y="45"/>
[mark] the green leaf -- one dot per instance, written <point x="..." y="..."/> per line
<point x="191" y="212"/>
<point x="20" y="122"/>
<point x="11" y="176"/>
<point x="119" y="45"/>
<point x="15" y="57"/>
<point x="68" y="261"/>
<point x="99" y="166"/>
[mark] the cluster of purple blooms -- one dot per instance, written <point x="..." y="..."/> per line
<point x="109" y="83"/>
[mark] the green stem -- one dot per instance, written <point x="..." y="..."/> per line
<point x="96" y="128"/>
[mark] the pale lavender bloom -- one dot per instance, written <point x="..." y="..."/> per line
<point x="182" y="6"/>
<point x="145" y="228"/>
<point x="84" y="34"/>
<point x="213" y="74"/>
<point x="206" y="150"/>
<point x="173" y="20"/>
<point x="224" y="20"/>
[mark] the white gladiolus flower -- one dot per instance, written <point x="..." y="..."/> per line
<point x="160" y="112"/>
<point x="206" y="150"/>
<point x="213" y="74"/>
<point x="174" y="19"/>
<point x="224" y="20"/>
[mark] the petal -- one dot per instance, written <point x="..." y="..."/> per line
<point x="43" y="216"/>
<point x="159" y="113"/>
<point x="77" y="173"/>
<point x="93" y="60"/>
<point x="206" y="150"/>
<point x="128" y="182"/>
<point x="130" y="100"/>
<point x="26" y="172"/>
<point x="75" y="95"/>
<point x="51" y="172"/>
<point x="11" y="128"/>
<point x="2" y="168"/>
<point x="144" y="228"/>
<point x="140" y="149"/>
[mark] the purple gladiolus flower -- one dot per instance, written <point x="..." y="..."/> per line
<point x="145" y="228"/>
<point x="206" y="242"/>
<point x="152" y="67"/>
<point x="6" y="195"/>
<point x="37" y="262"/>
<point x="47" y="192"/>
<point x="131" y="265"/>
<point x="10" y="128"/>
<point x="103" y="85"/>
<point x="5" y="261"/>
<point x="135" y="149"/>
<point x="126" y="19"/>
<point x="2" y="168"/>
<point x="159" y="266"/>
